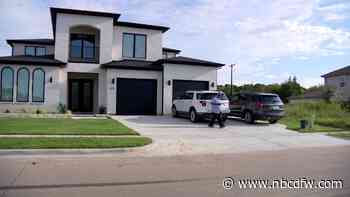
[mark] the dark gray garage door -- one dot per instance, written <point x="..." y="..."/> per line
<point x="181" y="86"/>
<point x="136" y="96"/>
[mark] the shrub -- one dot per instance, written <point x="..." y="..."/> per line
<point x="346" y="105"/>
<point x="62" y="108"/>
<point x="7" y="111"/>
<point x="102" y="110"/>
<point x="39" y="111"/>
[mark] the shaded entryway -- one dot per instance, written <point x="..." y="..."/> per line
<point x="82" y="92"/>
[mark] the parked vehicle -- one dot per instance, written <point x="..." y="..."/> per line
<point x="257" y="106"/>
<point x="196" y="105"/>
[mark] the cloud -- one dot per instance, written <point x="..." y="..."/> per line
<point x="257" y="36"/>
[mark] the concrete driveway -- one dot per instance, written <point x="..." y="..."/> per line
<point x="178" y="136"/>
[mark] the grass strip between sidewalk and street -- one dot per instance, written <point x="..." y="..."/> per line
<point x="71" y="143"/>
<point x="63" y="126"/>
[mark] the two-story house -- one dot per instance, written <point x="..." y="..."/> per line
<point x="339" y="80"/>
<point x="95" y="60"/>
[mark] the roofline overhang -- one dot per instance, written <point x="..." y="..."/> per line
<point x="141" y="26"/>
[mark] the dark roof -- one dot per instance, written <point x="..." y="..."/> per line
<point x="133" y="65"/>
<point x="140" y="25"/>
<point x="339" y="72"/>
<point x="44" y="41"/>
<point x="47" y="60"/>
<point x="54" y="12"/>
<point x="171" y="50"/>
<point x="191" y="61"/>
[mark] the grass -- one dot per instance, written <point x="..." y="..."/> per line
<point x="62" y="143"/>
<point x="63" y="126"/>
<point x="328" y="117"/>
<point x="343" y="135"/>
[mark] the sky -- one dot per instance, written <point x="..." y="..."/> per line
<point x="268" y="40"/>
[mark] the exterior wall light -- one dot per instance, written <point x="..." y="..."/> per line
<point x="212" y="84"/>
<point x="50" y="80"/>
<point x="169" y="82"/>
<point x="113" y="81"/>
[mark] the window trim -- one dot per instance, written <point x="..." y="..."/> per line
<point x="13" y="78"/>
<point x="35" y="50"/>
<point x="81" y="58"/>
<point x="134" y="45"/>
<point x="43" y="85"/>
<point x="27" y="96"/>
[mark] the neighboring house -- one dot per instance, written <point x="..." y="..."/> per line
<point x="309" y="96"/>
<point x="339" y="80"/>
<point x="93" y="61"/>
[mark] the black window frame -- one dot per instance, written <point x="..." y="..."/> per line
<point x="82" y="58"/>
<point x="134" y="45"/>
<point x="13" y="78"/>
<point x="35" y="50"/>
<point x="43" y="96"/>
<point x="27" y="96"/>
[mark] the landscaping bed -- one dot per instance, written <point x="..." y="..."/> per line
<point x="71" y="143"/>
<point x="63" y="126"/>
<point x="327" y="117"/>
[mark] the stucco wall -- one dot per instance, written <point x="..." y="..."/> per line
<point x="185" y="72"/>
<point x="52" y="91"/>
<point x="342" y="93"/>
<point x="154" y="42"/>
<point x="18" y="48"/>
<point x="136" y="74"/>
<point x="67" y="21"/>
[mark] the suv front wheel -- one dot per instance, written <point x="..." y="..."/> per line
<point x="193" y="115"/>
<point x="248" y="117"/>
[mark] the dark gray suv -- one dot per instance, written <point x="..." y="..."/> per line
<point x="257" y="106"/>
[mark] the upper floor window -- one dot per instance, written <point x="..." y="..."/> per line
<point x="34" y="51"/>
<point x="82" y="47"/>
<point x="134" y="45"/>
<point x="22" y="85"/>
<point x="38" y="86"/>
<point x="6" y="93"/>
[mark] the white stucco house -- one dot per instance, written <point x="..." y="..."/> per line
<point x="96" y="61"/>
<point x="339" y="80"/>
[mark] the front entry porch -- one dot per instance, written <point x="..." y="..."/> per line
<point x="83" y="93"/>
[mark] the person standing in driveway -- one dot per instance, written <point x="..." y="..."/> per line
<point x="216" y="113"/>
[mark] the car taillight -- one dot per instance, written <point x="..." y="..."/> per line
<point x="203" y="103"/>
<point x="259" y="105"/>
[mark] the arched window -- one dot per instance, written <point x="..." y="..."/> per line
<point x="22" y="85"/>
<point x="6" y="93"/>
<point x="38" y="86"/>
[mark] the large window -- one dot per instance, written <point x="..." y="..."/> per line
<point x="34" y="51"/>
<point x="134" y="45"/>
<point x="22" y="85"/>
<point x="82" y="47"/>
<point x="38" y="86"/>
<point x="6" y="93"/>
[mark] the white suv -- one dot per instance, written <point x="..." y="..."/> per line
<point x="196" y="105"/>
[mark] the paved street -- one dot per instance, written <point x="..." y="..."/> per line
<point x="199" y="175"/>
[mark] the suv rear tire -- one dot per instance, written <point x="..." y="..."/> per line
<point x="248" y="117"/>
<point x="193" y="115"/>
<point x="173" y="111"/>
<point x="273" y="121"/>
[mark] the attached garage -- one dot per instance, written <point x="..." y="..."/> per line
<point x="181" y="86"/>
<point x="136" y="96"/>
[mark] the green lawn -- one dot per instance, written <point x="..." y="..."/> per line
<point x="344" y="135"/>
<point x="328" y="117"/>
<point x="63" y="126"/>
<point x="82" y="142"/>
